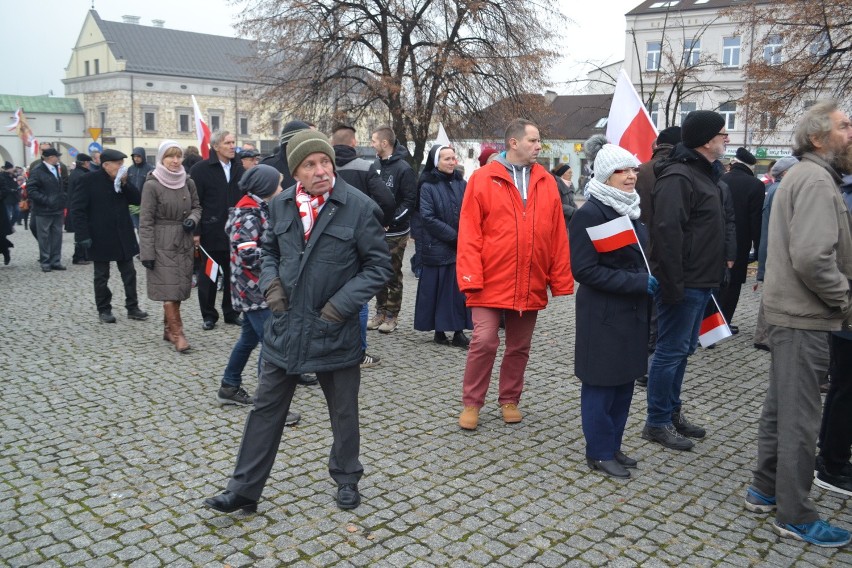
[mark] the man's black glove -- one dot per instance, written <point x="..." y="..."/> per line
<point x="85" y="243"/>
<point x="189" y="225"/>
<point x="149" y="264"/>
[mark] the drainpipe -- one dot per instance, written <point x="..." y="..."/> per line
<point x="132" y="116"/>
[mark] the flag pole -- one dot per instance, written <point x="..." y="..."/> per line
<point x="720" y="310"/>
<point x="639" y="244"/>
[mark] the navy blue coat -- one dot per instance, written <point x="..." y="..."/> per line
<point x="613" y="304"/>
<point x="441" y="198"/>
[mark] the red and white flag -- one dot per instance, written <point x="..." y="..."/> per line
<point x="211" y="267"/>
<point x="629" y="124"/>
<point x="613" y="235"/>
<point x="714" y="328"/>
<point x="202" y="131"/>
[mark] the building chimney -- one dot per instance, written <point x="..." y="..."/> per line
<point x="550" y="96"/>
<point x="131" y="19"/>
<point x="158" y="23"/>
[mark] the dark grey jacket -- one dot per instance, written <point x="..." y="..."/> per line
<point x="345" y="262"/>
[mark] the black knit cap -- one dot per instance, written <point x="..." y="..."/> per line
<point x="700" y="126"/>
<point x="746" y="157"/>
<point x="670" y="135"/>
<point x="261" y="180"/>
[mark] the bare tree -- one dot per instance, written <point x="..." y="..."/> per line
<point x="801" y="51"/>
<point x="406" y="61"/>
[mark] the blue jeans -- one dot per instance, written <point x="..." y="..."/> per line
<point x="250" y="336"/>
<point x="677" y="329"/>
<point x="363" y="316"/>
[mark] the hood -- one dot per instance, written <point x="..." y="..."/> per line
<point x="400" y="152"/>
<point x="682" y="154"/>
<point x="662" y="151"/>
<point x="139" y="151"/>
<point x="343" y="154"/>
<point x="520" y="175"/>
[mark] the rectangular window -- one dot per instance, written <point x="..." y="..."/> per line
<point x="276" y="126"/>
<point x="102" y="117"/>
<point x="686" y="108"/>
<point x="768" y="121"/>
<point x="184" y="121"/>
<point x="150" y="121"/>
<point x="244" y="126"/>
<point x="215" y="122"/>
<point x="731" y="52"/>
<point x="772" y="50"/>
<point x="691" y="52"/>
<point x="654" y="111"/>
<point x="87" y="68"/>
<point x="58" y="124"/>
<point x="820" y="45"/>
<point x="97" y="66"/>
<point x="729" y="111"/>
<point x="652" y="59"/>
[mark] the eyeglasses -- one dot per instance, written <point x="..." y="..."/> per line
<point x="723" y="134"/>
<point x="634" y="171"/>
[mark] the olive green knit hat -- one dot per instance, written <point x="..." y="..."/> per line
<point x="305" y="143"/>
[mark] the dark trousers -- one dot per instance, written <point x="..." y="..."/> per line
<point x="103" y="295"/>
<point x="49" y="234"/>
<point x="207" y="289"/>
<point x="604" y="413"/>
<point x="729" y="297"/>
<point x="835" y="436"/>
<point x="265" y="425"/>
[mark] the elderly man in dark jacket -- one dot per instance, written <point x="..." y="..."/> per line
<point x="663" y="146"/>
<point x="47" y="189"/>
<point x="324" y="258"/>
<point x="747" y="193"/>
<point x="217" y="182"/>
<point x="103" y="226"/>
<point x="687" y="256"/>
<point x="81" y="168"/>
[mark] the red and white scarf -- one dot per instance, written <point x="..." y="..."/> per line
<point x="309" y="207"/>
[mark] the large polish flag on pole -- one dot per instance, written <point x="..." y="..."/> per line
<point x="202" y="131"/>
<point x="629" y="124"/>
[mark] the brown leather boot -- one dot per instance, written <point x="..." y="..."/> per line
<point x="176" y="326"/>
<point x="167" y="336"/>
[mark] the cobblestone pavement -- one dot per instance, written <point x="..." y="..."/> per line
<point x="111" y="439"/>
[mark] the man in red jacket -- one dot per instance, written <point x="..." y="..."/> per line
<point x="512" y="245"/>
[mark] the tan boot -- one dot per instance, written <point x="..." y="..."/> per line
<point x="167" y="336"/>
<point x="376" y="320"/>
<point x="176" y="326"/>
<point x="469" y="418"/>
<point x="511" y="414"/>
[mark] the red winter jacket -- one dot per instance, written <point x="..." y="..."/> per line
<point x="509" y="254"/>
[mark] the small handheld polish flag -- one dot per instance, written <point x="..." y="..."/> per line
<point x="714" y="328"/>
<point x="211" y="267"/>
<point x="613" y="235"/>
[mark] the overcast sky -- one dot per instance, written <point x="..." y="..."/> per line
<point x="39" y="35"/>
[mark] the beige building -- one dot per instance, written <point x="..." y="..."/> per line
<point x="135" y="82"/>
<point x="52" y="119"/>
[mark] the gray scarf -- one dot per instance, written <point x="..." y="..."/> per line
<point x="622" y="202"/>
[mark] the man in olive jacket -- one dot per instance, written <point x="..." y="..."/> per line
<point x="324" y="256"/>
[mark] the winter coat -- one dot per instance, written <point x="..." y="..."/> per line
<point x="138" y="174"/>
<point x="400" y="179"/>
<point x="247" y="222"/>
<point x="216" y="196"/>
<point x="278" y="160"/>
<point x="764" y="229"/>
<point x="613" y="304"/>
<point x="441" y="197"/>
<point x="47" y="193"/>
<point x="100" y="214"/>
<point x="566" y="195"/>
<point x="508" y="253"/>
<point x="809" y="264"/>
<point x="747" y="193"/>
<point x="646" y="179"/>
<point x="163" y="239"/>
<point x="10" y="193"/>
<point x="345" y="262"/>
<point x="362" y="174"/>
<point x="688" y="225"/>
<point x="73" y="182"/>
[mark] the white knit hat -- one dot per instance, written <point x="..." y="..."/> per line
<point x="611" y="158"/>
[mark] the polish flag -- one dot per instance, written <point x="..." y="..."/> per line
<point x="714" y="328"/>
<point x="202" y="131"/>
<point x="613" y="235"/>
<point x="629" y="124"/>
<point x="211" y="267"/>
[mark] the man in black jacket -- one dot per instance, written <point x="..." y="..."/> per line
<point x="278" y="160"/>
<point x="137" y="174"/>
<point x="103" y="226"/>
<point x="687" y="256"/>
<point x="217" y="181"/>
<point x="747" y="193"/>
<point x="80" y="169"/>
<point x="47" y="190"/>
<point x="392" y="164"/>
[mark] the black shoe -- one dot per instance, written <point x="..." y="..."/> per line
<point x="233" y="395"/>
<point x="609" y="467"/>
<point x="441" y="338"/>
<point x="348" y="496"/>
<point x="837" y="483"/>
<point x="667" y="436"/>
<point x="106" y="317"/>
<point x="235" y="320"/>
<point x="81" y="262"/>
<point x="58" y="267"/>
<point x="229" y="502"/>
<point x="292" y="418"/>
<point x="208" y="325"/>
<point x="625" y="461"/>
<point x="761" y="346"/>
<point x="46" y="269"/>
<point x="685" y="427"/>
<point x="136" y="314"/>
<point x="460" y="340"/>
<point x="308" y="380"/>
<point x="642" y="381"/>
<point x="734" y="329"/>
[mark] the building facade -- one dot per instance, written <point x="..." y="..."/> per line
<point x="52" y="119"/>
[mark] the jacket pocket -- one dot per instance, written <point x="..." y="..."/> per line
<point x="276" y="333"/>
<point x="332" y="339"/>
<point x="335" y="245"/>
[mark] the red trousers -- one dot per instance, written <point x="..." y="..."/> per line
<point x="483" y="350"/>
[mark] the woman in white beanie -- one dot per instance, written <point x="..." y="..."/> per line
<point x="168" y="216"/>
<point x="613" y="306"/>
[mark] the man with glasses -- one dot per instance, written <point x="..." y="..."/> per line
<point x="687" y="257"/>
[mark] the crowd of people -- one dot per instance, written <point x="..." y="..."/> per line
<point x="306" y="237"/>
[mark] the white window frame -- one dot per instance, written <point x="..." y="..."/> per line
<point x="653" y="57"/>
<point x="731" y="53"/>
<point x="729" y="111"/>
<point x="773" y="50"/>
<point x="185" y="112"/>
<point x="690" y="106"/>
<point x="691" y="52"/>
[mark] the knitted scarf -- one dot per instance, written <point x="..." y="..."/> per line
<point x="170" y="179"/>
<point x="309" y="208"/>
<point x="622" y="202"/>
